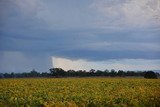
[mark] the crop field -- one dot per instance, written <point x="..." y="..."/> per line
<point x="80" y="92"/>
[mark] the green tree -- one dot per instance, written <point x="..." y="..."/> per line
<point x="121" y="73"/>
<point x="58" y="72"/>
<point x="150" y="75"/>
<point x="34" y="73"/>
<point x="113" y="73"/>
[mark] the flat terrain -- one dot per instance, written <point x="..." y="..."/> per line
<point x="80" y="92"/>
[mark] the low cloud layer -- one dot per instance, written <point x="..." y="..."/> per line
<point x="125" y="64"/>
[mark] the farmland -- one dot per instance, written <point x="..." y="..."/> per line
<point x="80" y="92"/>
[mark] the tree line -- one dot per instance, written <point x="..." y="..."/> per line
<point x="59" y="72"/>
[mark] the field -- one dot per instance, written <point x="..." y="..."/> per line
<point x="80" y="92"/>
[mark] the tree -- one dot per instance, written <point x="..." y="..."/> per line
<point x="71" y="73"/>
<point x="1" y="75"/>
<point x="34" y="73"/>
<point x="121" y="73"/>
<point x="92" y="72"/>
<point x="45" y="74"/>
<point x="57" y="72"/>
<point x="150" y="75"/>
<point x="99" y="73"/>
<point x="113" y="73"/>
<point x="106" y="72"/>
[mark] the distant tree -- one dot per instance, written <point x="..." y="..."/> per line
<point x="12" y="75"/>
<point x="92" y="72"/>
<point x="71" y="73"/>
<point x="150" y="75"/>
<point x="113" y="73"/>
<point x="140" y="73"/>
<point x="45" y="74"/>
<point x="33" y="73"/>
<point x="7" y="75"/>
<point x="58" y="72"/>
<point x="121" y="73"/>
<point x="80" y="73"/>
<point x="1" y="75"/>
<point x="106" y="72"/>
<point x="99" y="73"/>
<point x="130" y="73"/>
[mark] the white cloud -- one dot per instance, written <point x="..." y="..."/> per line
<point x="68" y="64"/>
<point x="123" y="64"/>
<point x="132" y="13"/>
<point x="109" y="14"/>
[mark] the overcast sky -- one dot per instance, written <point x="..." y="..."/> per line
<point x="99" y="34"/>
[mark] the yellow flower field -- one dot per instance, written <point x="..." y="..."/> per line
<point x="80" y="92"/>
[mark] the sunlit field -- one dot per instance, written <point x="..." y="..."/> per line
<point x="80" y="92"/>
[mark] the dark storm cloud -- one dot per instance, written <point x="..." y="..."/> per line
<point x="78" y="30"/>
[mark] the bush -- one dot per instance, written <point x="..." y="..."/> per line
<point x="150" y="75"/>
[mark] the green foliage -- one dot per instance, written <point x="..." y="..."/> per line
<point x="80" y="92"/>
<point x="150" y="75"/>
<point x="59" y="72"/>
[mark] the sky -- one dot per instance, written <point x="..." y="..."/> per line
<point x="79" y="34"/>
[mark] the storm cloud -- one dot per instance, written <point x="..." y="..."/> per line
<point x="93" y="30"/>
